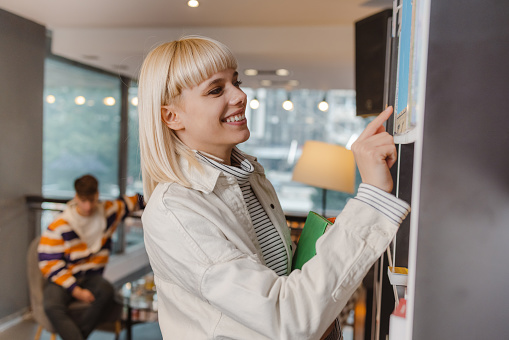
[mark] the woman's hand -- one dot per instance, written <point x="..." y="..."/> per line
<point x="375" y="153"/>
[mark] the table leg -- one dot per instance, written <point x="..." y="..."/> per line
<point x="129" y="323"/>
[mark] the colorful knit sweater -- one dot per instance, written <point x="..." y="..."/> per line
<point x="64" y="256"/>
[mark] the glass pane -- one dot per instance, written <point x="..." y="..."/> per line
<point x="132" y="226"/>
<point x="277" y="137"/>
<point x="134" y="184"/>
<point x="81" y="128"/>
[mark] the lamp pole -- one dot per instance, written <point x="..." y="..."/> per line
<point x="324" y="201"/>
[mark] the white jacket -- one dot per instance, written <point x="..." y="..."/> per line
<point x="209" y="271"/>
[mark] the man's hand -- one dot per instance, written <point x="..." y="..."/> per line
<point x="375" y="153"/>
<point x="83" y="294"/>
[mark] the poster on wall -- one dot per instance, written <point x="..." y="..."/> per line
<point x="401" y="110"/>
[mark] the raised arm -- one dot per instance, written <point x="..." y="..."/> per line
<point x="375" y="153"/>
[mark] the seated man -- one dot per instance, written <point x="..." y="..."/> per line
<point x="73" y="253"/>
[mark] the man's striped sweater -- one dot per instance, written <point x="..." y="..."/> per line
<point x="64" y="256"/>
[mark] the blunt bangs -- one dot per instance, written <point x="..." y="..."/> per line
<point x="196" y="59"/>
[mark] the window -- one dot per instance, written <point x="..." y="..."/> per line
<point x="81" y="128"/>
<point x="277" y="137"/>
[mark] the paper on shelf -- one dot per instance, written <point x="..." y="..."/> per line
<point x="398" y="276"/>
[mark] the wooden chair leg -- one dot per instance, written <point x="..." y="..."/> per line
<point x="38" y="333"/>
<point x="118" y="328"/>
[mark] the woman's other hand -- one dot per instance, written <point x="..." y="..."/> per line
<point x="375" y="153"/>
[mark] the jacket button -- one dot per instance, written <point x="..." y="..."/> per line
<point x="272" y="206"/>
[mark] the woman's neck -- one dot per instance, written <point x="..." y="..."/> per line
<point x="226" y="160"/>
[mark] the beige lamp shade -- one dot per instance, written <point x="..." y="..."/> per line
<point x="326" y="166"/>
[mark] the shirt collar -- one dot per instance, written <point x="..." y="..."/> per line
<point x="241" y="167"/>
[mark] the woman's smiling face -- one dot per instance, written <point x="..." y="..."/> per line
<point x="211" y="116"/>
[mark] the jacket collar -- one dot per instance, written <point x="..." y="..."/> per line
<point x="204" y="179"/>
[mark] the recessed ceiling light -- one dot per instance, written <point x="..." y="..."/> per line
<point x="250" y="72"/>
<point x="265" y="82"/>
<point x="90" y="56"/>
<point x="121" y="67"/>
<point x="193" y="3"/>
<point x="293" y="82"/>
<point x="282" y="72"/>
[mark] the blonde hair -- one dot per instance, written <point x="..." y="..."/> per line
<point x="166" y="71"/>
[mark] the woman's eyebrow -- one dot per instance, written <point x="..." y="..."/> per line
<point x="215" y="81"/>
<point x="219" y="80"/>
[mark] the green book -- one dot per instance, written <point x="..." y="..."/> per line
<point x="314" y="227"/>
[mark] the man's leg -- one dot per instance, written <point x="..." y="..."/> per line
<point x="55" y="303"/>
<point x="104" y="293"/>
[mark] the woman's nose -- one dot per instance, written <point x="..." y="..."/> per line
<point x="238" y="97"/>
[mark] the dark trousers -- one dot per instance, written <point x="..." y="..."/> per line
<point x="56" y="300"/>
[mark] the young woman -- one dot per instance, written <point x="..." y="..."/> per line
<point x="215" y="232"/>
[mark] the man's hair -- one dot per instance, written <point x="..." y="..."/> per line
<point x="86" y="186"/>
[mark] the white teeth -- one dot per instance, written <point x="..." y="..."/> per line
<point x="235" y="118"/>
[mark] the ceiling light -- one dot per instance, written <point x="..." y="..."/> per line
<point x="265" y="82"/>
<point x="323" y="106"/>
<point x="193" y="3"/>
<point x="90" y="57"/>
<point x="288" y="105"/>
<point x="254" y="104"/>
<point x="79" y="100"/>
<point x="50" y="99"/>
<point x="251" y="72"/>
<point x="293" y="83"/>
<point x="282" y="72"/>
<point x="134" y="101"/>
<point x="109" y="101"/>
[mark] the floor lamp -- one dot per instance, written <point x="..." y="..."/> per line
<point x="326" y="166"/>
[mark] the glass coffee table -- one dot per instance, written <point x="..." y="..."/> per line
<point x="140" y="302"/>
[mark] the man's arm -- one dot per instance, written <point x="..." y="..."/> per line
<point x="117" y="210"/>
<point x="51" y="251"/>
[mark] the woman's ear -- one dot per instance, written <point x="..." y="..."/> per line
<point x="171" y="117"/>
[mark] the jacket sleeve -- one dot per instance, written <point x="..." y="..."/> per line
<point x="185" y="247"/>
<point x="51" y="251"/>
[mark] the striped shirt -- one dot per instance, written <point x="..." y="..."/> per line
<point x="271" y="243"/>
<point x="64" y="257"/>
<point x="395" y="210"/>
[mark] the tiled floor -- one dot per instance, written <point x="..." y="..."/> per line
<point x="26" y="330"/>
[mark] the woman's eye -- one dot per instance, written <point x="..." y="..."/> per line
<point x="237" y="83"/>
<point x="216" y="90"/>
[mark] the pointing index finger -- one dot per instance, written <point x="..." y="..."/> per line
<point x="374" y="127"/>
